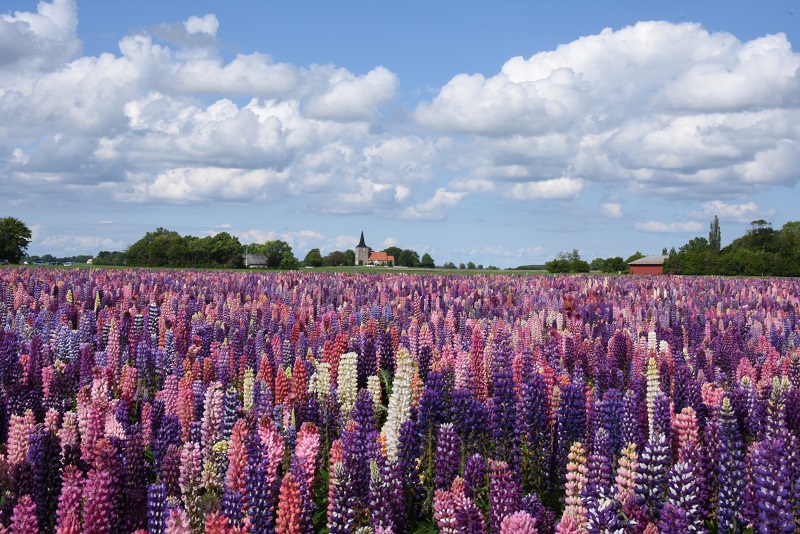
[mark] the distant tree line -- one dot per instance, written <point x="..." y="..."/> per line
<point x="167" y="248"/>
<point x="49" y="258"/>
<point x="761" y="251"/>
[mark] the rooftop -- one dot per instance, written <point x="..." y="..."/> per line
<point x="650" y="260"/>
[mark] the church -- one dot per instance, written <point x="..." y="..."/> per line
<point x="365" y="256"/>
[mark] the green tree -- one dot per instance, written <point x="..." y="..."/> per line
<point x="313" y="258"/>
<point x="715" y="236"/>
<point x="15" y="237"/>
<point x="350" y="255"/>
<point x="598" y="264"/>
<point x="470" y="265"/>
<point x="427" y="261"/>
<point x="335" y="258"/>
<point x="408" y="258"/>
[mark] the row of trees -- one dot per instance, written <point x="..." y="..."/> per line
<point x="167" y="248"/>
<point x="761" y="251"/>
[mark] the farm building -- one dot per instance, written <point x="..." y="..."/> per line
<point x="648" y="265"/>
<point x="255" y="260"/>
<point x="380" y="258"/>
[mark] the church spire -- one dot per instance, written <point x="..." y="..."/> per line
<point x="361" y="243"/>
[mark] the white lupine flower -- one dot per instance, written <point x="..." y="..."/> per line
<point x="399" y="402"/>
<point x="347" y="385"/>
<point x="374" y="388"/>
<point x="320" y="382"/>
<point x="247" y="386"/>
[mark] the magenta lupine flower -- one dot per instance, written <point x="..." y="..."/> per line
<point x="99" y="516"/>
<point x="69" y="509"/>
<point x="23" y="520"/>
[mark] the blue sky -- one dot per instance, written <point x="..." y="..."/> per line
<point x="500" y="134"/>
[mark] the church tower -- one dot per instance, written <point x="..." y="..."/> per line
<point x="362" y="251"/>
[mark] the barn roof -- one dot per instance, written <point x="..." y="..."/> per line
<point x="650" y="260"/>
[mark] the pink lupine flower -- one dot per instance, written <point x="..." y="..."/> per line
<point x="288" y="520"/>
<point x="19" y="431"/>
<point x="177" y="522"/>
<point x="687" y="429"/>
<point x="128" y="383"/>
<point x="518" y="523"/>
<point x="98" y="510"/>
<point x="307" y="448"/>
<point x="571" y="523"/>
<point x="69" y="502"/>
<point x="237" y="457"/>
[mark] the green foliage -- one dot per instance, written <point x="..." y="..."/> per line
<point x="715" y="236"/>
<point x="427" y="261"/>
<point x="313" y="258"/>
<point x="567" y="262"/>
<point x="408" y="258"/>
<point x="15" y="237"/>
<point x="470" y="265"/>
<point x="336" y="258"/>
<point x="167" y="248"/>
<point x="278" y="253"/>
<point x="762" y="251"/>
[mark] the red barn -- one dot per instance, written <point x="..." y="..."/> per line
<point x="648" y="265"/>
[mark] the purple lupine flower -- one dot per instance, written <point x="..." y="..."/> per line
<point x="448" y="455"/>
<point x="470" y="418"/>
<point x="504" y="424"/>
<point x="230" y="411"/>
<point x="662" y="423"/>
<point x="599" y="465"/>
<point x="156" y="508"/>
<point x="341" y="502"/>
<point x="610" y="419"/>
<point x="168" y="433"/>
<point x="233" y="506"/>
<point x="652" y="474"/>
<point x="474" y="475"/>
<point x="602" y="512"/>
<point x="44" y="457"/>
<point x="730" y="470"/>
<point x="681" y="512"/>
<point x="773" y="485"/>
<point x="380" y="515"/>
<point x="533" y="424"/>
<point x="505" y="494"/>
<point x="571" y="423"/>
<point x="470" y="520"/>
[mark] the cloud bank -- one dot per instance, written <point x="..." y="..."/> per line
<point x="655" y="110"/>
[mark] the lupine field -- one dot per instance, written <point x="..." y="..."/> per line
<point x="176" y="402"/>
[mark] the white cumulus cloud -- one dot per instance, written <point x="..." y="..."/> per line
<point x="745" y="212"/>
<point x="555" y="189"/>
<point x="660" y="227"/>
